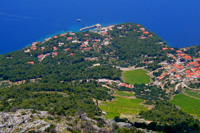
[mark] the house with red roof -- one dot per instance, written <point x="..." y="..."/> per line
<point x="30" y="62"/>
<point x="177" y="67"/>
<point x="83" y="45"/>
<point x="181" y="54"/>
<point x="87" y="34"/>
<point x="178" y="76"/>
<point x="164" y="48"/>
<point x="178" y="51"/>
<point x="41" y="57"/>
<point x="150" y="35"/>
<point x="142" y="29"/>
<point x="33" y="47"/>
<point x="69" y="38"/>
<point x="196" y="65"/>
<point x="193" y="63"/>
<point x="172" y="70"/>
<point x="88" y="48"/>
<point x="142" y="37"/>
<point x="71" y="54"/>
<point x="54" y="48"/>
<point x="55" y="37"/>
<point x="67" y="49"/>
<point x="55" y="53"/>
<point x="197" y="59"/>
<point x="146" y="32"/>
<point x="187" y="57"/>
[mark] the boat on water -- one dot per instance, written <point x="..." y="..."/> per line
<point x="78" y="20"/>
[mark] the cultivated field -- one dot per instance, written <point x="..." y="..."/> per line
<point x="138" y="76"/>
<point x="193" y="93"/>
<point x="122" y="105"/>
<point x="187" y="104"/>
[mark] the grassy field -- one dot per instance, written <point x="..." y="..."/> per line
<point x="124" y="93"/>
<point x="138" y="76"/>
<point x="187" y="104"/>
<point x="122" y="106"/>
<point x="193" y="93"/>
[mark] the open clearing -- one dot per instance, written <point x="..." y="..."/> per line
<point x="188" y="104"/>
<point x="122" y="105"/>
<point x="138" y="76"/>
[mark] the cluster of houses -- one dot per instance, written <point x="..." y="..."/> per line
<point x="183" y="68"/>
<point x="71" y="37"/>
<point x="116" y="82"/>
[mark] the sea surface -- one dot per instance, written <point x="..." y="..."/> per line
<point x="26" y="21"/>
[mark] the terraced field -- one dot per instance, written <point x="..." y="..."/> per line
<point x="123" y="104"/>
<point x="188" y="104"/>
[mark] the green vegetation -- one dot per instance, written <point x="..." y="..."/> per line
<point x="124" y="93"/>
<point x="166" y="117"/>
<point x="195" y="85"/>
<point x="187" y="104"/>
<point x="74" y="97"/>
<point x="136" y="77"/>
<point x="122" y="105"/>
<point x="193" y="93"/>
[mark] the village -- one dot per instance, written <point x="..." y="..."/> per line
<point x="179" y="73"/>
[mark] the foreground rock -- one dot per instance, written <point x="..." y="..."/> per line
<point x="25" y="120"/>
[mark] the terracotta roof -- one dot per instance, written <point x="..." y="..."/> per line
<point x="192" y="63"/>
<point x="174" y="57"/>
<point x="30" y="62"/>
<point x="54" y="48"/>
<point x="176" y="66"/>
<point x="70" y="38"/>
<point x="172" y="70"/>
<point x="187" y="57"/>
<point x="150" y="35"/>
<point x="188" y="71"/>
<point x="67" y="49"/>
<point x="164" y="48"/>
<point x="197" y="59"/>
<point x="177" y="76"/>
<point x="146" y="32"/>
<point x="87" y="34"/>
<point x="88" y="48"/>
<point x="188" y="76"/>
<point x="40" y="56"/>
<point x="83" y="45"/>
<point x="55" y="36"/>
<point x="55" y="53"/>
<point x="178" y="51"/>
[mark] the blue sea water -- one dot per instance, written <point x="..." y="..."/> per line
<point x="25" y="21"/>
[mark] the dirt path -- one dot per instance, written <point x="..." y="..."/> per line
<point x="191" y="96"/>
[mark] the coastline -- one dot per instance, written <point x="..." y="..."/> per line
<point x="73" y="28"/>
